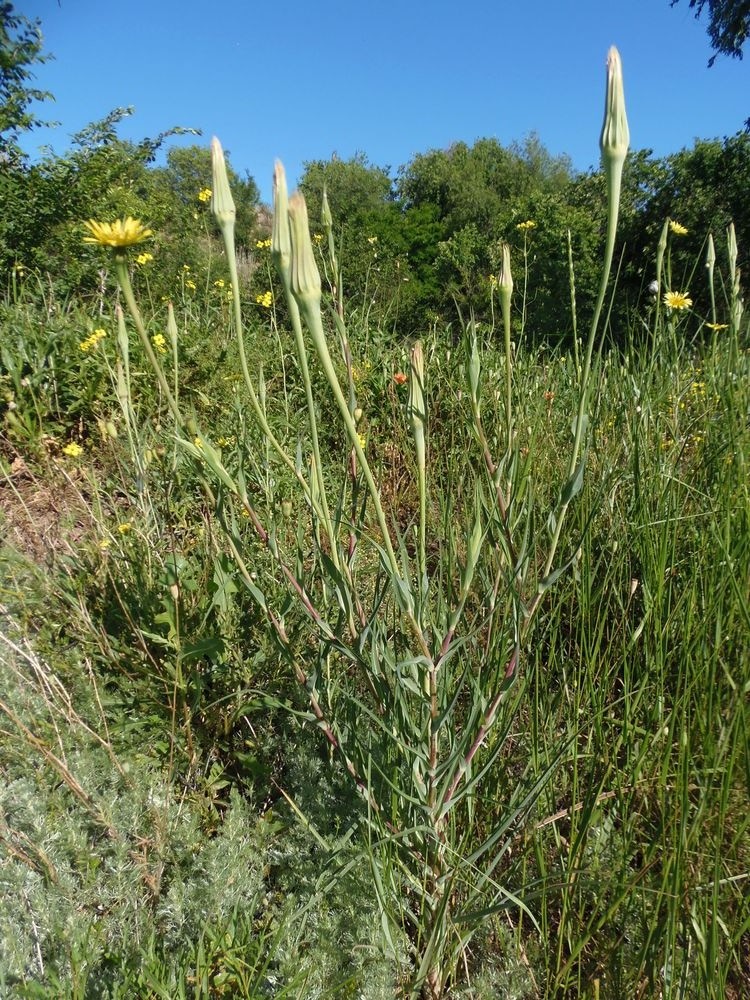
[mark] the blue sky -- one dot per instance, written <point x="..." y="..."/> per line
<point x="389" y="78"/>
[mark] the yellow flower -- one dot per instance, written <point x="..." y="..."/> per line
<point x="143" y="258"/>
<point x="73" y="450"/>
<point x="121" y="233"/>
<point x="717" y="326"/>
<point x="677" y="300"/>
<point x="198" y="442"/>
<point x="263" y="244"/>
<point x="372" y="239"/>
<point x="159" y="342"/>
<point x="265" y="300"/>
<point x="93" y="340"/>
<point x="219" y="283"/>
<point x="318" y="237"/>
<point x="190" y="284"/>
<point x="125" y="527"/>
<point x="362" y="441"/>
<point x="524" y="227"/>
<point x="677" y="229"/>
<point x="204" y="195"/>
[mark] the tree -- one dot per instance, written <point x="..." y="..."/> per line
<point x="728" y="25"/>
<point x="20" y="48"/>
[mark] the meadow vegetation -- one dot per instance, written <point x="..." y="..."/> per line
<point x="374" y="586"/>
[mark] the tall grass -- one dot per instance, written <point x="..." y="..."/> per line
<point x="444" y="683"/>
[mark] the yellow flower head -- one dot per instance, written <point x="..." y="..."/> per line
<point x="72" y="450"/>
<point x="121" y="233"/>
<point x="677" y="300"/>
<point x="204" y="195"/>
<point x="124" y="527"/>
<point x="677" y="229"/>
<point x="717" y="326"/>
<point x="219" y="283"/>
<point x="265" y="300"/>
<point x="143" y="258"/>
<point x="263" y="244"/>
<point x="524" y="227"/>
<point x="190" y="284"/>
<point x="90" y="342"/>
<point x="159" y="342"/>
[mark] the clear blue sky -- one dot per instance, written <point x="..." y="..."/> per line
<point x="389" y="78"/>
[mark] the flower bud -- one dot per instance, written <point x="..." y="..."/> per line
<point x="415" y="406"/>
<point x="326" y="217"/>
<point x="505" y="279"/>
<point x="281" y="246"/>
<point x="615" y="137"/>
<point x="305" y="274"/>
<point x="711" y="255"/>
<point x="222" y="203"/>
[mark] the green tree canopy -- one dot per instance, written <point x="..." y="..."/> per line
<point x="20" y="49"/>
<point x="728" y="25"/>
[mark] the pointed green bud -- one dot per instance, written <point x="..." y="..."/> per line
<point x="505" y="278"/>
<point x="661" y="249"/>
<point x="415" y="406"/>
<point x="305" y="274"/>
<point x="281" y="242"/>
<point x="222" y="203"/>
<point x="325" y="214"/>
<point x="732" y="249"/>
<point x="615" y="137"/>
<point x="711" y="254"/>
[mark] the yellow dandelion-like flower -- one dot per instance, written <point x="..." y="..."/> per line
<point x="143" y="259"/>
<point x="159" y="342"/>
<point x="121" y="233"/>
<point x="524" y="227"/>
<point x="204" y="195"/>
<point x="72" y="450"/>
<point x="717" y="326"/>
<point x="677" y="300"/>
<point x="677" y="229"/>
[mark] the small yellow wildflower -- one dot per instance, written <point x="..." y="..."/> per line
<point x="717" y="326"/>
<point x="104" y="544"/>
<point x="362" y="441"/>
<point x="72" y="450"/>
<point x="124" y="527"/>
<point x="185" y="267"/>
<point x="90" y="342"/>
<point x="677" y="229"/>
<point x="263" y="244"/>
<point x="121" y="233"/>
<point x="524" y="227"/>
<point x="677" y="300"/>
<point x="219" y="283"/>
<point x="204" y="195"/>
<point x="318" y="237"/>
<point x="143" y="258"/>
<point x="159" y="342"/>
<point x="198" y="442"/>
<point x="372" y="240"/>
<point x="265" y="300"/>
<point x="190" y="284"/>
<point x="492" y="280"/>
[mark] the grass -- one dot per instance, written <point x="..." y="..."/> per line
<point x="334" y="666"/>
<point x="160" y="739"/>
